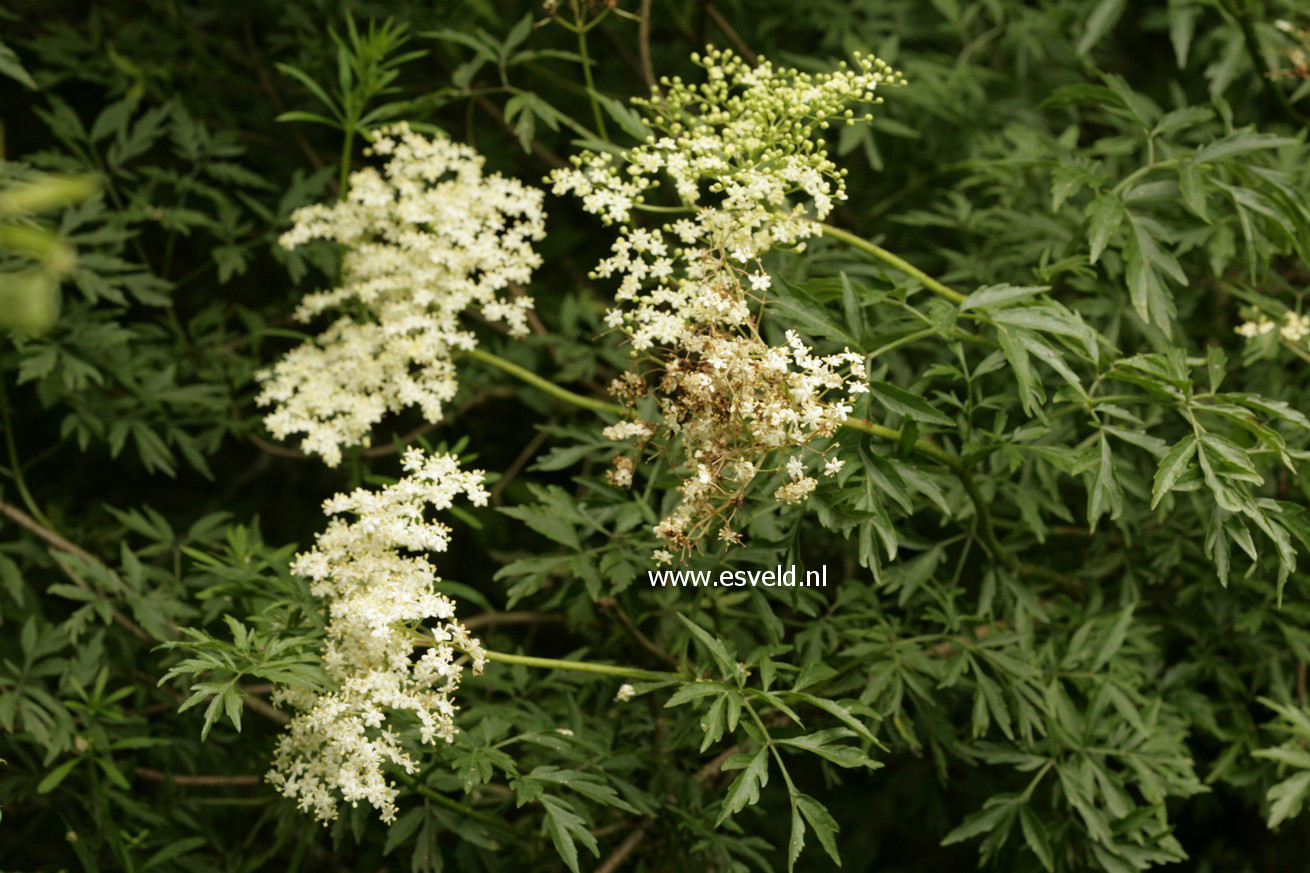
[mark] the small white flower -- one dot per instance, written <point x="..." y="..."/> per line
<point x="833" y="467"/>
<point x="425" y="239"/>
<point x="727" y="399"/>
<point x="1252" y="329"/>
<point x="1295" y="328"/>
<point x="625" y="693"/>
<point x="378" y="587"/>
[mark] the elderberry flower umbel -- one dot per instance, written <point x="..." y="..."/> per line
<point x="426" y="237"/>
<point x="1295" y="327"/>
<point x="382" y="603"/>
<point x="744" y="154"/>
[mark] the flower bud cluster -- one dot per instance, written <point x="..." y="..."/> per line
<point x="744" y="155"/>
<point x="426" y="237"/>
<point x="381" y="592"/>
<point x="1295" y="328"/>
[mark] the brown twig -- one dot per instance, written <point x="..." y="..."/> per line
<point x="643" y="46"/>
<point x="267" y="710"/>
<point x="733" y="37"/>
<point x="624" y="850"/>
<point x="624" y="52"/>
<point x="23" y="520"/>
<point x="544" y="154"/>
<point x="612" y="605"/>
<point x="487" y="619"/>
<point x="534" y="321"/>
<point x="266" y="83"/>
<point x="161" y="776"/>
<point x="273" y="448"/>
<point x="57" y="542"/>
<point x="528" y="453"/>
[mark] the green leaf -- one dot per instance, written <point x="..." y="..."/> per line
<point x="822" y="823"/>
<point x="1172" y="466"/>
<point x="52" y="779"/>
<point x="1192" y="187"/>
<point x="1034" y="834"/>
<point x="990" y="817"/>
<point x="745" y="789"/>
<point x="1104" y="216"/>
<point x="565" y="827"/>
<point x="904" y="403"/>
<point x="1287" y="798"/>
<point x="1181" y="15"/>
<point x="1106" y="496"/>
<point x="1238" y="143"/>
<point x="796" y="839"/>
<point x="726" y="662"/>
<point x="626" y="119"/>
<point x="175" y="849"/>
<point x="1099" y="23"/>
<point x="1114" y="637"/>
<point x="997" y="296"/>
<point x="10" y="66"/>
<point x="808" y="314"/>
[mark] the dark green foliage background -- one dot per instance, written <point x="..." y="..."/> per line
<point x="1025" y="129"/>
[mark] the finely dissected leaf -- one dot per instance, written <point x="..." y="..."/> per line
<point x="1071" y="270"/>
<point x="996" y="296"/>
<point x="52" y="779"/>
<point x="1287" y="798"/>
<point x="726" y="663"/>
<point x="1106" y="495"/>
<point x="993" y="813"/>
<point x="903" y="402"/>
<point x="1105" y="215"/>
<point x="822" y="823"/>
<point x="566" y="828"/>
<point x="796" y="837"/>
<point x="1099" y="23"/>
<point x="1171" y="468"/>
<point x="10" y="66"/>
<point x="1036" y="836"/>
<point x="1114" y="637"/>
<point x="745" y="789"/>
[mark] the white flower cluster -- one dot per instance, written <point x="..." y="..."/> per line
<point x="743" y="154"/>
<point x="733" y="401"/>
<point x="1294" y="329"/>
<point x="426" y="237"/>
<point x="381" y="593"/>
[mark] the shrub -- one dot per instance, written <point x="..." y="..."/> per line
<point x="655" y="436"/>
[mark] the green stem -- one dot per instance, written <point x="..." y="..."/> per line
<point x="15" y="467"/>
<point x="1142" y="171"/>
<point x="905" y="340"/>
<point x="346" y="154"/>
<point x="586" y="74"/>
<point x="923" y="447"/>
<point x="894" y="261"/>
<point x="531" y="378"/>
<point x="477" y="815"/>
<point x="585" y="667"/>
